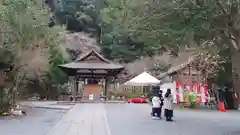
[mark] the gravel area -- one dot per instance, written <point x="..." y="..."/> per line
<point x="37" y="122"/>
<point x="134" y="119"/>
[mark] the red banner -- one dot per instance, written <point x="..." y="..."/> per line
<point x="200" y="89"/>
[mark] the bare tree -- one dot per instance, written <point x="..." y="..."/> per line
<point x="77" y="43"/>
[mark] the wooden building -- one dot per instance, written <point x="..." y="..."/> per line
<point x="187" y="73"/>
<point x="94" y="71"/>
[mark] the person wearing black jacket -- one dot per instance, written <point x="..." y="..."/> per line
<point x="162" y="99"/>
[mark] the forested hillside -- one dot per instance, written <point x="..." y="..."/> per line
<point x="129" y="29"/>
<point x="30" y="52"/>
<point x="124" y="30"/>
<point x="104" y="20"/>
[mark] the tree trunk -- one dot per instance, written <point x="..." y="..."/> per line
<point x="215" y="92"/>
<point x="235" y="57"/>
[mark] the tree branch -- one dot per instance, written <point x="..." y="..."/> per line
<point x="232" y="40"/>
<point x="221" y="6"/>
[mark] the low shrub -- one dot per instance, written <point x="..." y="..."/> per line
<point x="4" y="101"/>
<point x="192" y="99"/>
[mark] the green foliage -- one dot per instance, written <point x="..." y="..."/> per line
<point x="133" y="95"/>
<point x="192" y="99"/>
<point x="208" y="26"/>
<point x="108" y="20"/>
<point x="4" y="101"/>
<point x="56" y="76"/>
<point x="175" y="24"/>
<point x="29" y="16"/>
<point x="77" y="15"/>
<point x="24" y="31"/>
<point x="133" y="28"/>
<point x="224" y="77"/>
<point x="24" y="26"/>
<point x="116" y="38"/>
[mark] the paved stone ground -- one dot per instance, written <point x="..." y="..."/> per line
<point x="37" y="122"/>
<point x="83" y="119"/>
<point x="46" y="104"/>
<point x="120" y="119"/>
<point x="134" y="119"/>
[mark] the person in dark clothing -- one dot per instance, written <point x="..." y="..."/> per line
<point x="162" y="100"/>
<point x="168" y="105"/>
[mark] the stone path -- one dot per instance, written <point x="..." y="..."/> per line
<point x="83" y="119"/>
<point x="37" y="122"/>
<point x="122" y="119"/>
<point x="46" y="105"/>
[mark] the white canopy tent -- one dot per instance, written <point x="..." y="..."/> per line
<point x="143" y="79"/>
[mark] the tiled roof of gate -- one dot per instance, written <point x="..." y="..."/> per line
<point x="83" y="65"/>
<point x="102" y="64"/>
